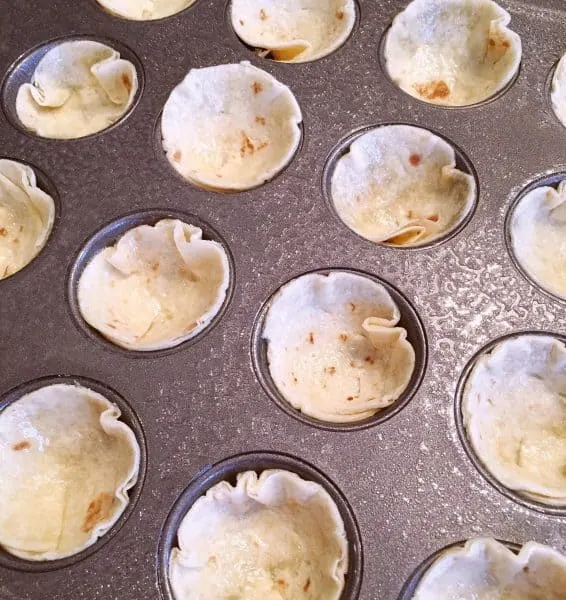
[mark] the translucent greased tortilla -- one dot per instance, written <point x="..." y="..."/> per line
<point x="66" y="465"/>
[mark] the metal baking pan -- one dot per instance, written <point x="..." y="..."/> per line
<point x="406" y="484"/>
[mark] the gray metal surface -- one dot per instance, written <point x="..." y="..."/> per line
<point x="409" y="480"/>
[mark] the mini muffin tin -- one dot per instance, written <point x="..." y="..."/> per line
<point x="408" y="479"/>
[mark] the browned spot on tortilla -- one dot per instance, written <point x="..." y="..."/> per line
<point x="330" y="370"/>
<point x="212" y="560"/>
<point x="190" y="327"/>
<point x="352" y="306"/>
<point x="3" y="231"/>
<point x="282" y="582"/>
<point x="339" y="14"/>
<point x="241" y="21"/>
<point x="16" y="241"/>
<point x="344" y="337"/>
<point x="311" y="338"/>
<point x="111" y="326"/>
<point x="23" y="445"/>
<point x="260" y="120"/>
<point x="295" y="380"/>
<point x="370" y="360"/>
<point x="432" y="90"/>
<point x="21" y="228"/>
<point x="262" y="15"/>
<point x="177" y="156"/>
<point x="415" y="160"/>
<point x="433" y="218"/>
<point x="410" y="214"/>
<point x="257" y="87"/>
<point x="492" y="43"/>
<point x="262" y="146"/>
<point x="350" y="398"/>
<point x="98" y="510"/>
<point x="526" y="569"/>
<point x="127" y="82"/>
<point x="307" y="585"/>
<point x="246" y="145"/>
<point x="155" y="267"/>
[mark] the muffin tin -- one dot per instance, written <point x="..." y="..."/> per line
<point x="409" y="481"/>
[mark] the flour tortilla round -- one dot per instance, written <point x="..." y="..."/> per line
<point x="156" y="287"/>
<point x="399" y="185"/>
<point x="514" y="411"/>
<point x="452" y="52"/>
<point x="537" y="230"/>
<point x="230" y="127"/>
<point x="333" y="347"/>
<point x="26" y="217"/>
<point x="78" y="88"/>
<point x="145" y="10"/>
<point x="484" y="569"/>
<point x="293" y="30"/>
<point x="276" y="536"/>
<point x="66" y="465"/>
<point x="558" y="91"/>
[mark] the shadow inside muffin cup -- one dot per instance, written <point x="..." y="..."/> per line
<point x="45" y="184"/>
<point x="408" y="590"/>
<point x="227" y="470"/>
<point x="526" y="501"/>
<point x="416" y="335"/>
<point x="550" y="180"/>
<point x="107" y="236"/>
<point x="23" y="69"/>
<point x="342" y="148"/>
<point x="129" y="417"/>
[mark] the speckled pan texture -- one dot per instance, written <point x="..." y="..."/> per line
<point x="410" y="482"/>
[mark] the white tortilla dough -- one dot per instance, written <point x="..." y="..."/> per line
<point x="399" y="185"/>
<point x="26" y="217"/>
<point x="66" y="465"/>
<point x="452" y="52"/>
<point x="558" y="91"/>
<point x="156" y="287"/>
<point x="538" y="237"/>
<point x="334" y="350"/>
<point x="484" y="569"/>
<point x="230" y="127"/>
<point x="277" y="537"/>
<point x="293" y="30"/>
<point x="514" y="410"/>
<point x="77" y="89"/>
<point x="145" y="10"/>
